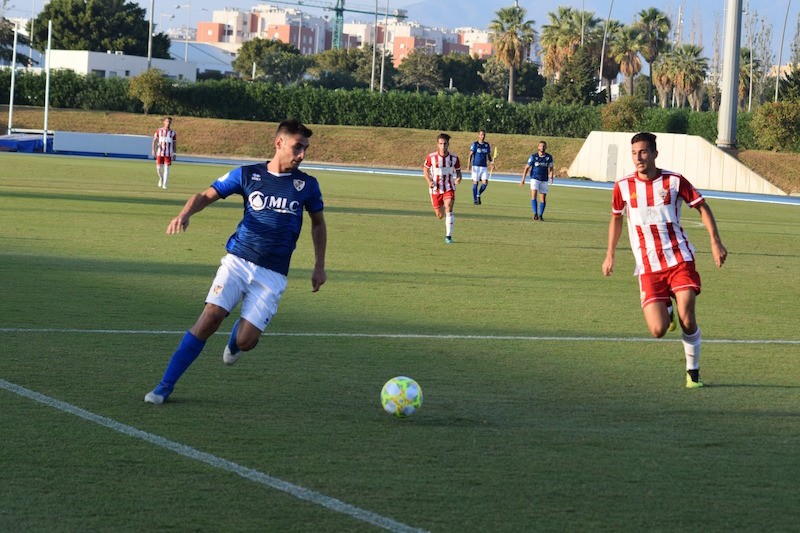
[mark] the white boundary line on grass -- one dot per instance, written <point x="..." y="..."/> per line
<point x="217" y="462"/>
<point x="402" y="336"/>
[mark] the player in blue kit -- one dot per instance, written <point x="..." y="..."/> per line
<point x="480" y="158"/>
<point x="540" y="166"/>
<point x="254" y="271"/>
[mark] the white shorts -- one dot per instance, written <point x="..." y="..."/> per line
<point x="480" y="173"/>
<point x="258" y="288"/>
<point x="540" y="186"/>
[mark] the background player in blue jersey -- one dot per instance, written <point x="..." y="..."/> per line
<point x="540" y="166"/>
<point x="254" y="271"/>
<point x="480" y="158"/>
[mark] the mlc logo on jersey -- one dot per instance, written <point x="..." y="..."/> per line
<point x="259" y="202"/>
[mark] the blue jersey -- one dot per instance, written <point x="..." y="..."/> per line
<point x="540" y="166"/>
<point x="273" y="213"/>
<point x="480" y="152"/>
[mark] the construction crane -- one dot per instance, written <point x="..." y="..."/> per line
<point x="339" y="9"/>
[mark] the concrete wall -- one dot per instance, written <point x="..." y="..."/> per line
<point x="102" y="143"/>
<point x="606" y="156"/>
<point x="111" y="65"/>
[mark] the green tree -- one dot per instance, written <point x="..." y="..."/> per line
<point x="794" y="58"/>
<point x="789" y="86"/>
<point x="568" y="29"/>
<point x="512" y="36"/>
<point x="420" y="70"/>
<point x="262" y="52"/>
<point x="495" y="77"/>
<point x="654" y="26"/>
<point x="575" y="85"/>
<point x="98" y="26"/>
<point x="7" y="40"/>
<point x="465" y="71"/>
<point x="690" y="69"/>
<point x="151" y="87"/>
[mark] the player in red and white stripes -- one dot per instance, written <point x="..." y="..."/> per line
<point x="163" y="149"/>
<point x="665" y="259"/>
<point x="442" y="171"/>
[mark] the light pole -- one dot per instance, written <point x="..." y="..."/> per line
<point x="603" y="49"/>
<point x="186" y="42"/>
<point x="780" y="54"/>
<point x="150" y="35"/>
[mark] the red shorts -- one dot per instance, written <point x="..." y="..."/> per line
<point x="661" y="286"/>
<point x="163" y="160"/>
<point x="438" y="199"/>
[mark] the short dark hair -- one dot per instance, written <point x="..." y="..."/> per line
<point x="292" y="126"/>
<point x="647" y="137"/>
<point x="482" y="131"/>
<point x="444" y="136"/>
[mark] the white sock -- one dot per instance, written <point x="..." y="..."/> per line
<point x="158" y="171"/>
<point x="691" y="347"/>
<point x="448" y="223"/>
<point x="166" y="175"/>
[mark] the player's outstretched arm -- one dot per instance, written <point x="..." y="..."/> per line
<point x="196" y="203"/>
<point x="718" y="250"/>
<point x="614" y="231"/>
<point x="319" y="235"/>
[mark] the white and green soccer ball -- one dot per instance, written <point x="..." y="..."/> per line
<point x="401" y="396"/>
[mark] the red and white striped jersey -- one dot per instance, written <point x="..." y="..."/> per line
<point x="658" y="240"/>
<point x="442" y="171"/>
<point x="166" y="142"/>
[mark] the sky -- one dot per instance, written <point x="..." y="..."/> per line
<point x="699" y="16"/>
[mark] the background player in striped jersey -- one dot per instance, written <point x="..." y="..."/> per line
<point x="442" y="171"/>
<point x="163" y="149"/>
<point x="541" y="170"/>
<point x="480" y="158"/>
<point x="665" y="259"/>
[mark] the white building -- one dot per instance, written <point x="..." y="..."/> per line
<point x="116" y="64"/>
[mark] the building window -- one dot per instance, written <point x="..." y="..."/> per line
<point x="127" y="73"/>
<point x="99" y="73"/>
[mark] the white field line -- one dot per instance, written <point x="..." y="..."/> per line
<point x="217" y="462"/>
<point x="403" y="336"/>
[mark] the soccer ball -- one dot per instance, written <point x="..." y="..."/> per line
<point x="401" y="396"/>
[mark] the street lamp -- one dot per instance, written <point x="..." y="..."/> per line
<point x="186" y="42"/>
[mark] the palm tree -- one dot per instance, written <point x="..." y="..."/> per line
<point x="568" y="29"/>
<point x="511" y="35"/>
<point x="624" y="49"/>
<point x="690" y="72"/>
<point x="662" y="72"/>
<point x="654" y="26"/>
<point x="744" y="74"/>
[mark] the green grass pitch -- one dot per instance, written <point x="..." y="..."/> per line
<point x="546" y="405"/>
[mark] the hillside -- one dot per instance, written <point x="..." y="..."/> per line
<point x="368" y="146"/>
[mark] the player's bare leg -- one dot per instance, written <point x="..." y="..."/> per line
<point x="657" y="318"/>
<point x="244" y="338"/>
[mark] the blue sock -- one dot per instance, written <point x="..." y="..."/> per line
<point x="535" y="207"/>
<point x="542" y="207"/>
<point x="474" y="192"/>
<point x="483" y="188"/>
<point x="188" y="350"/>
<point x="232" y="346"/>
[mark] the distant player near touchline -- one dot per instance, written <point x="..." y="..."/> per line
<point x="540" y="166"/>
<point x="442" y="171"/>
<point x="480" y="153"/>
<point x="165" y="143"/>
<point x="665" y="259"/>
<point x="254" y="270"/>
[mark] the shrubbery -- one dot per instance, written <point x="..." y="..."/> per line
<point x="774" y="126"/>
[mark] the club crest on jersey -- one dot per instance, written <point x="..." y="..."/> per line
<point x="217" y="289"/>
<point x="299" y="184"/>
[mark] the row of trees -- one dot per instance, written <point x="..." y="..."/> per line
<point x="578" y="52"/>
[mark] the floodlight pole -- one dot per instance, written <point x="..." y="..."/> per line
<point x="726" y="125"/>
<point x="47" y="82"/>
<point x="603" y="50"/>
<point x="150" y="36"/>
<point x="375" y="48"/>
